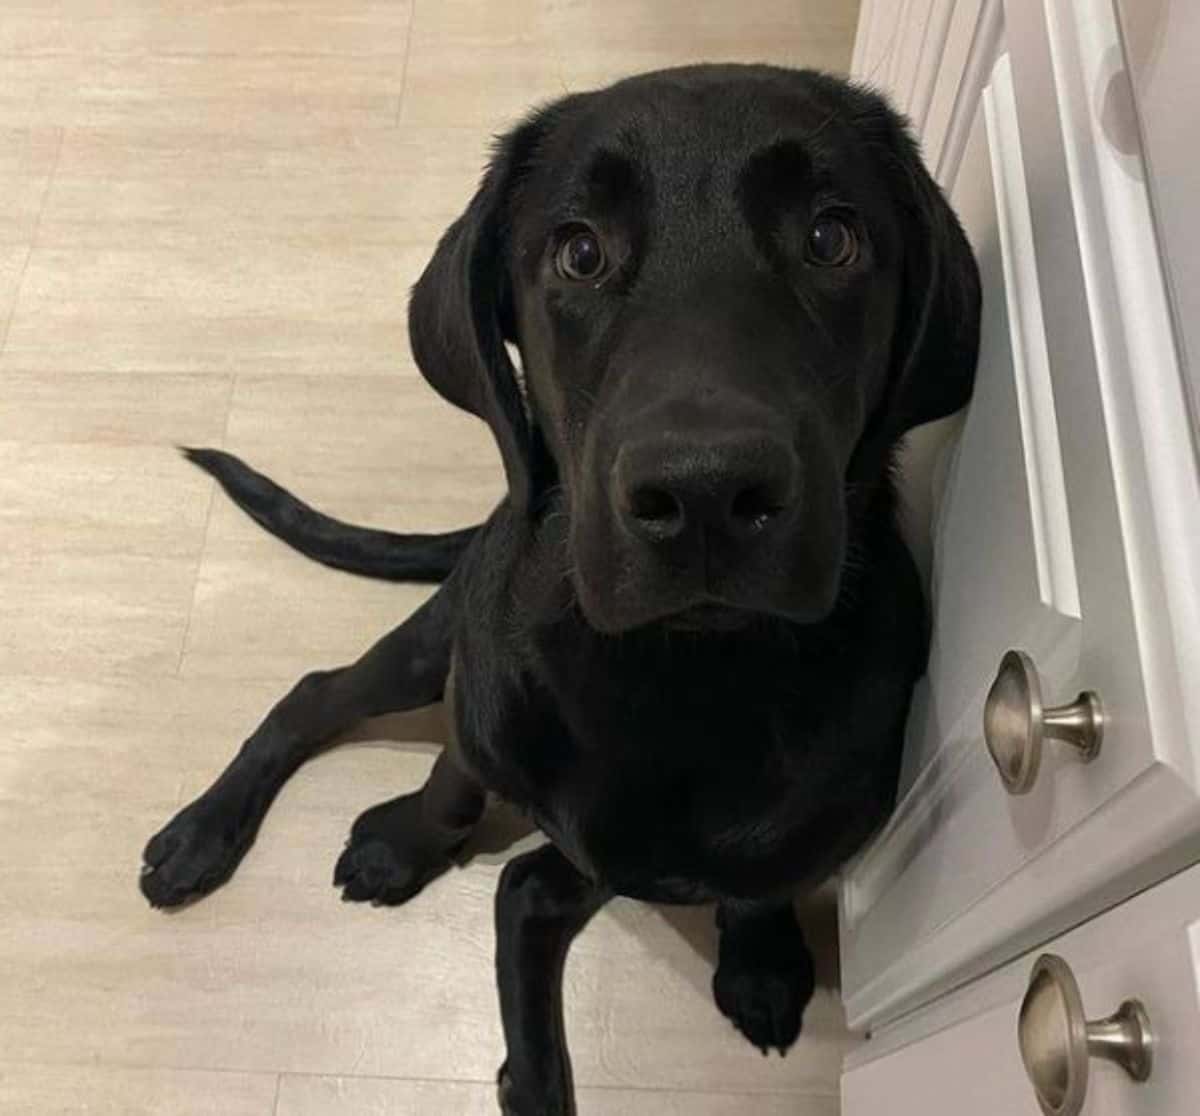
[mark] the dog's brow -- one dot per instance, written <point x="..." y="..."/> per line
<point x="789" y="167"/>
<point x="610" y="180"/>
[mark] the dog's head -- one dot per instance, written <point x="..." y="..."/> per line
<point x="733" y="289"/>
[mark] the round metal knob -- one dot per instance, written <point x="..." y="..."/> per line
<point x="1057" y="1041"/>
<point x="1015" y="724"/>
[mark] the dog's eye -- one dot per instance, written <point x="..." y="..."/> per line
<point x="581" y="256"/>
<point x="831" y="242"/>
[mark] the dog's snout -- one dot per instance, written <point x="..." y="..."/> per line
<point x="735" y="486"/>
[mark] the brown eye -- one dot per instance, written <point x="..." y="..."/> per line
<point x="581" y="256"/>
<point x="831" y="242"/>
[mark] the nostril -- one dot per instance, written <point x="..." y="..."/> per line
<point x="755" y="507"/>
<point x="654" y="504"/>
<point x="656" y="510"/>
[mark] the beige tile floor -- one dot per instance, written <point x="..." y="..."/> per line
<point x="210" y="211"/>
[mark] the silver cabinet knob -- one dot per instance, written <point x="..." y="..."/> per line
<point x="1057" y="1041"/>
<point x="1015" y="724"/>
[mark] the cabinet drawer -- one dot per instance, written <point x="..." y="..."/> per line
<point x="962" y="1054"/>
<point x="1068" y="529"/>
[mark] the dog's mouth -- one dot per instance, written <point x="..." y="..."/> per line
<point x="708" y="617"/>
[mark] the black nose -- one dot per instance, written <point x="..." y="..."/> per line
<point x="733" y="485"/>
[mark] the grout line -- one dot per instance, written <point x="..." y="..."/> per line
<point x="418" y="1079"/>
<point x="12" y="310"/>
<point x="212" y="499"/>
<point x="37" y="224"/>
<point x="122" y="56"/>
<point x="412" y="23"/>
<point x="141" y="1067"/>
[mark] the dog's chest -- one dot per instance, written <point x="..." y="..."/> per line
<point x="686" y="771"/>
<point x="673" y="795"/>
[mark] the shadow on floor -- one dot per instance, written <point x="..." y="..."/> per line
<point x="697" y="927"/>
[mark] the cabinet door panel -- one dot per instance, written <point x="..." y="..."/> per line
<point x="1161" y="41"/>
<point x="962" y="1054"/>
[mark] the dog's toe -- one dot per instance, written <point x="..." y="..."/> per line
<point x="158" y="849"/>
<point x="766" y="1007"/>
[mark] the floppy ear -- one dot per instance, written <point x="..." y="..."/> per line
<point x="461" y="314"/>
<point x="936" y="343"/>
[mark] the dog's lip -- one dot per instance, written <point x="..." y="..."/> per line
<point x="708" y="616"/>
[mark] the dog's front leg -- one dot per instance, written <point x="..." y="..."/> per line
<point x="201" y="846"/>
<point x="541" y="904"/>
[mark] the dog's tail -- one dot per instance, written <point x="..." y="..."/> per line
<point x="361" y="550"/>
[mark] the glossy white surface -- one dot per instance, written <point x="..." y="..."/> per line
<point x="1066" y="525"/>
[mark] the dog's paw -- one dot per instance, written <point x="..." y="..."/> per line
<point x="192" y="855"/>
<point x="391" y="855"/>
<point x="764" y="982"/>
<point x="514" y="1103"/>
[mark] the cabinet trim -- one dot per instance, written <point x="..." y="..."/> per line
<point x="985" y="46"/>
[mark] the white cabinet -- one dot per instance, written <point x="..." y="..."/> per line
<point x="1064" y="510"/>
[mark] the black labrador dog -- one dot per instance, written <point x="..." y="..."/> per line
<point x="685" y="642"/>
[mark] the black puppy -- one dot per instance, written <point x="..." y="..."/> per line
<point x="686" y="641"/>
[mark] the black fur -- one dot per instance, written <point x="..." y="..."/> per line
<point x="361" y="550"/>
<point x="686" y="641"/>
